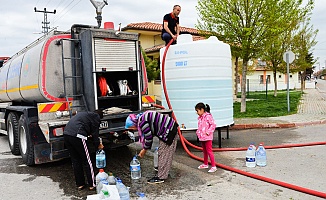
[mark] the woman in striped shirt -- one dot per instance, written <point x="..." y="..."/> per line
<point x="150" y="124"/>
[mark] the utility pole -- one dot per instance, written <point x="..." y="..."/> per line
<point x="45" y="22"/>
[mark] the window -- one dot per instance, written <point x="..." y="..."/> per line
<point x="290" y="75"/>
<point x="262" y="81"/>
<point x="268" y="79"/>
<point x="280" y="76"/>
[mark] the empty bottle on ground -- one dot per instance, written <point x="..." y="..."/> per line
<point x="101" y="177"/>
<point x="100" y="157"/>
<point x="261" y="158"/>
<point x="111" y="179"/>
<point x="156" y="159"/>
<point x="251" y="156"/>
<point x="123" y="190"/>
<point x="104" y="191"/>
<point x="135" y="170"/>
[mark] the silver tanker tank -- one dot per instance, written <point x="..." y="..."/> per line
<point x="35" y="73"/>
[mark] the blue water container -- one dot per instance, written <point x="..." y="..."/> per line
<point x="199" y="71"/>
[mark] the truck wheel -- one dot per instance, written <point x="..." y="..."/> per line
<point x="25" y="143"/>
<point x="12" y="131"/>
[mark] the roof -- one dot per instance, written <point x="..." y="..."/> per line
<point x="149" y="26"/>
<point x="158" y="47"/>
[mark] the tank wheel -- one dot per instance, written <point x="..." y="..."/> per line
<point x="25" y="143"/>
<point x="12" y="131"/>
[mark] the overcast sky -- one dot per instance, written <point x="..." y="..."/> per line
<point x="20" y="25"/>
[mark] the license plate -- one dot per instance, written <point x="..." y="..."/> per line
<point x="104" y="124"/>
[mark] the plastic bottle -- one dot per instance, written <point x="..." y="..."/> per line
<point x="251" y="156"/>
<point x="156" y="159"/>
<point x="141" y="196"/>
<point x="261" y="158"/>
<point x="123" y="190"/>
<point x="99" y="179"/>
<point x="104" y="191"/>
<point x="111" y="179"/>
<point x="100" y="157"/>
<point x="135" y="170"/>
<point x="253" y="145"/>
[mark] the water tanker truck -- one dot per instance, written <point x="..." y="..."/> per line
<point x="61" y="73"/>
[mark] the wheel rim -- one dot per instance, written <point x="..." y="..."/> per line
<point x="22" y="138"/>
<point x="10" y="133"/>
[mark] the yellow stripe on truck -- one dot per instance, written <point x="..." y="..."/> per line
<point x="28" y="87"/>
<point x="55" y="107"/>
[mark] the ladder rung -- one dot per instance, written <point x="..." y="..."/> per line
<point x="73" y="77"/>
<point x="70" y="39"/>
<point x="74" y="95"/>
<point x="72" y="58"/>
<point x="77" y="106"/>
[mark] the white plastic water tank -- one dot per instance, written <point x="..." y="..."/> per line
<point x="199" y="71"/>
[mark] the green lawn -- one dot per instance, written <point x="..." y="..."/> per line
<point x="260" y="106"/>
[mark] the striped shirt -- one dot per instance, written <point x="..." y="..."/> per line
<point x="152" y="124"/>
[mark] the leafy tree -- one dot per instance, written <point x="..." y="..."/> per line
<point x="152" y="68"/>
<point x="288" y="22"/>
<point x="248" y="24"/>
<point x="304" y="41"/>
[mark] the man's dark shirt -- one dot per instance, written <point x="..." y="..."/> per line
<point x="172" y="23"/>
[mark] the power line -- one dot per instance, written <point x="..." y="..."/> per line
<point x="68" y="10"/>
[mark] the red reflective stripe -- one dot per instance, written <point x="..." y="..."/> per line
<point x="44" y="57"/>
<point x="47" y="108"/>
<point x="63" y="107"/>
<point x="149" y="99"/>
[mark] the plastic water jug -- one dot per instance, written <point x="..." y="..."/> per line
<point x="156" y="159"/>
<point x="251" y="157"/>
<point x="135" y="170"/>
<point x="111" y="179"/>
<point x="101" y="177"/>
<point x="261" y="158"/>
<point x="123" y="190"/>
<point x="100" y="157"/>
<point x="104" y="192"/>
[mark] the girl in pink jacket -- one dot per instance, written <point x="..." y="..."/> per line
<point x="205" y="131"/>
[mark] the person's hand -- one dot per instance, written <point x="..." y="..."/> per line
<point x="174" y="37"/>
<point x="100" y="146"/>
<point x="142" y="153"/>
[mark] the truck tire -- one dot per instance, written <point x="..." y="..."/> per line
<point x="25" y="142"/>
<point x="12" y="132"/>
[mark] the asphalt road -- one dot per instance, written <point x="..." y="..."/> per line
<point x="304" y="166"/>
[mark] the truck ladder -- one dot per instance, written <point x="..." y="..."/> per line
<point x="75" y="63"/>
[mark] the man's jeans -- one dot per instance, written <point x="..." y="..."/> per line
<point x="167" y="37"/>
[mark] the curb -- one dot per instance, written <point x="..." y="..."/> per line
<point x="275" y="125"/>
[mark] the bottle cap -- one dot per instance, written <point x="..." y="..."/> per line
<point x="101" y="170"/>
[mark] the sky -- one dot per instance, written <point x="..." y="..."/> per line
<point x="20" y="25"/>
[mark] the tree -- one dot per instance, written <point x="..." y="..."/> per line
<point x="292" y="14"/>
<point x="304" y="41"/>
<point x="152" y="68"/>
<point x="245" y="23"/>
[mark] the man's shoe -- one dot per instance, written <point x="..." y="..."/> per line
<point x="155" y="180"/>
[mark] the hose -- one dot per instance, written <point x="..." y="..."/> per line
<point x="103" y="85"/>
<point x="262" y="178"/>
<point x="145" y="80"/>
